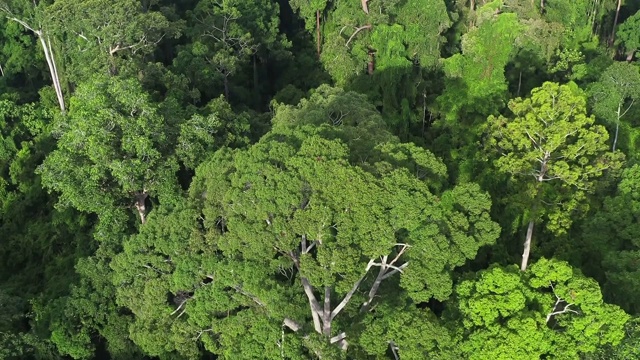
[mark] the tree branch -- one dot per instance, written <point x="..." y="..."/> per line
<point x="347" y="297"/>
<point x="356" y="32"/>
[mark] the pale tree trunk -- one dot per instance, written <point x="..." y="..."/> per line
<point x="140" y="205"/>
<point x="323" y="316"/>
<point x="615" y="23"/>
<point x="51" y="62"/>
<point x="527" y="247"/>
<point x="527" y="242"/>
<point x="365" y="6"/>
<point x="615" y="138"/>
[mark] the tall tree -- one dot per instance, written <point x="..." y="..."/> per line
<point x="554" y="152"/>
<point x="615" y="94"/>
<point x="299" y="239"/>
<point x="230" y="33"/>
<point x="113" y="150"/>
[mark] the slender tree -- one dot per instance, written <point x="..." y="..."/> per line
<point x="32" y="18"/>
<point x="616" y="93"/>
<point x="554" y="151"/>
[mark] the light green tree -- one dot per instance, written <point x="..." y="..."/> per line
<point x="550" y="311"/>
<point x="553" y="151"/>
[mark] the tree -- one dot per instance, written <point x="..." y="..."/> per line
<point x="228" y="34"/>
<point x="32" y="18"/>
<point x="298" y="239"/>
<point x="112" y="150"/>
<point x="475" y="80"/>
<point x="550" y="311"/>
<point x="311" y="11"/>
<point x="396" y="35"/>
<point x="615" y="93"/>
<point x="203" y="134"/>
<point x="98" y="31"/>
<point x="629" y="35"/>
<point x="612" y="234"/>
<point x="554" y="152"/>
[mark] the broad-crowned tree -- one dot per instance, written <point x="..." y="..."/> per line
<point x="289" y="236"/>
<point x="553" y="151"/>
<point x="550" y="311"/>
<point x="112" y="150"/>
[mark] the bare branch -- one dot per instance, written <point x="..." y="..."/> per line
<point x="292" y="324"/>
<point x="338" y="337"/>
<point x="396" y="270"/>
<point x="356" y="32"/>
<point x="347" y="297"/>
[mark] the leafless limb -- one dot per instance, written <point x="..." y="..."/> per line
<point x="347" y="297"/>
<point x="559" y="303"/>
<point x="292" y="324"/>
<point x="180" y="307"/>
<point x="368" y="26"/>
<point x="394" y="350"/>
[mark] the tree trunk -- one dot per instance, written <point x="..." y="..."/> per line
<point x="53" y="70"/>
<point x="226" y="87"/>
<point x="615" y="138"/>
<point x="318" y="38"/>
<point x="615" y="23"/>
<point x="256" y="86"/>
<point x="326" y="313"/>
<point x="541" y="6"/>
<point x="141" y="207"/>
<point x="527" y="247"/>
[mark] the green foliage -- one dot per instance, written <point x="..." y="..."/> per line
<point x="612" y="235"/>
<point x="628" y="33"/>
<point x="256" y="206"/>
<point x="397" y="34"/>
<point x="201" y="135"/>
<point x="283" y="212"/>
<point x="98" y="32"/>
<point x="615" y="94"/>
<point x="112" y="145"/>
<point x="475" y="80"/>
<point x="550" y="311"/>
<point x="553" y="150"/>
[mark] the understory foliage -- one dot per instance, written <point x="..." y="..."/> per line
<point x="226" y="179"/>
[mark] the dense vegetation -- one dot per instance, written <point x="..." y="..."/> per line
<point x="315" y="179"/>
